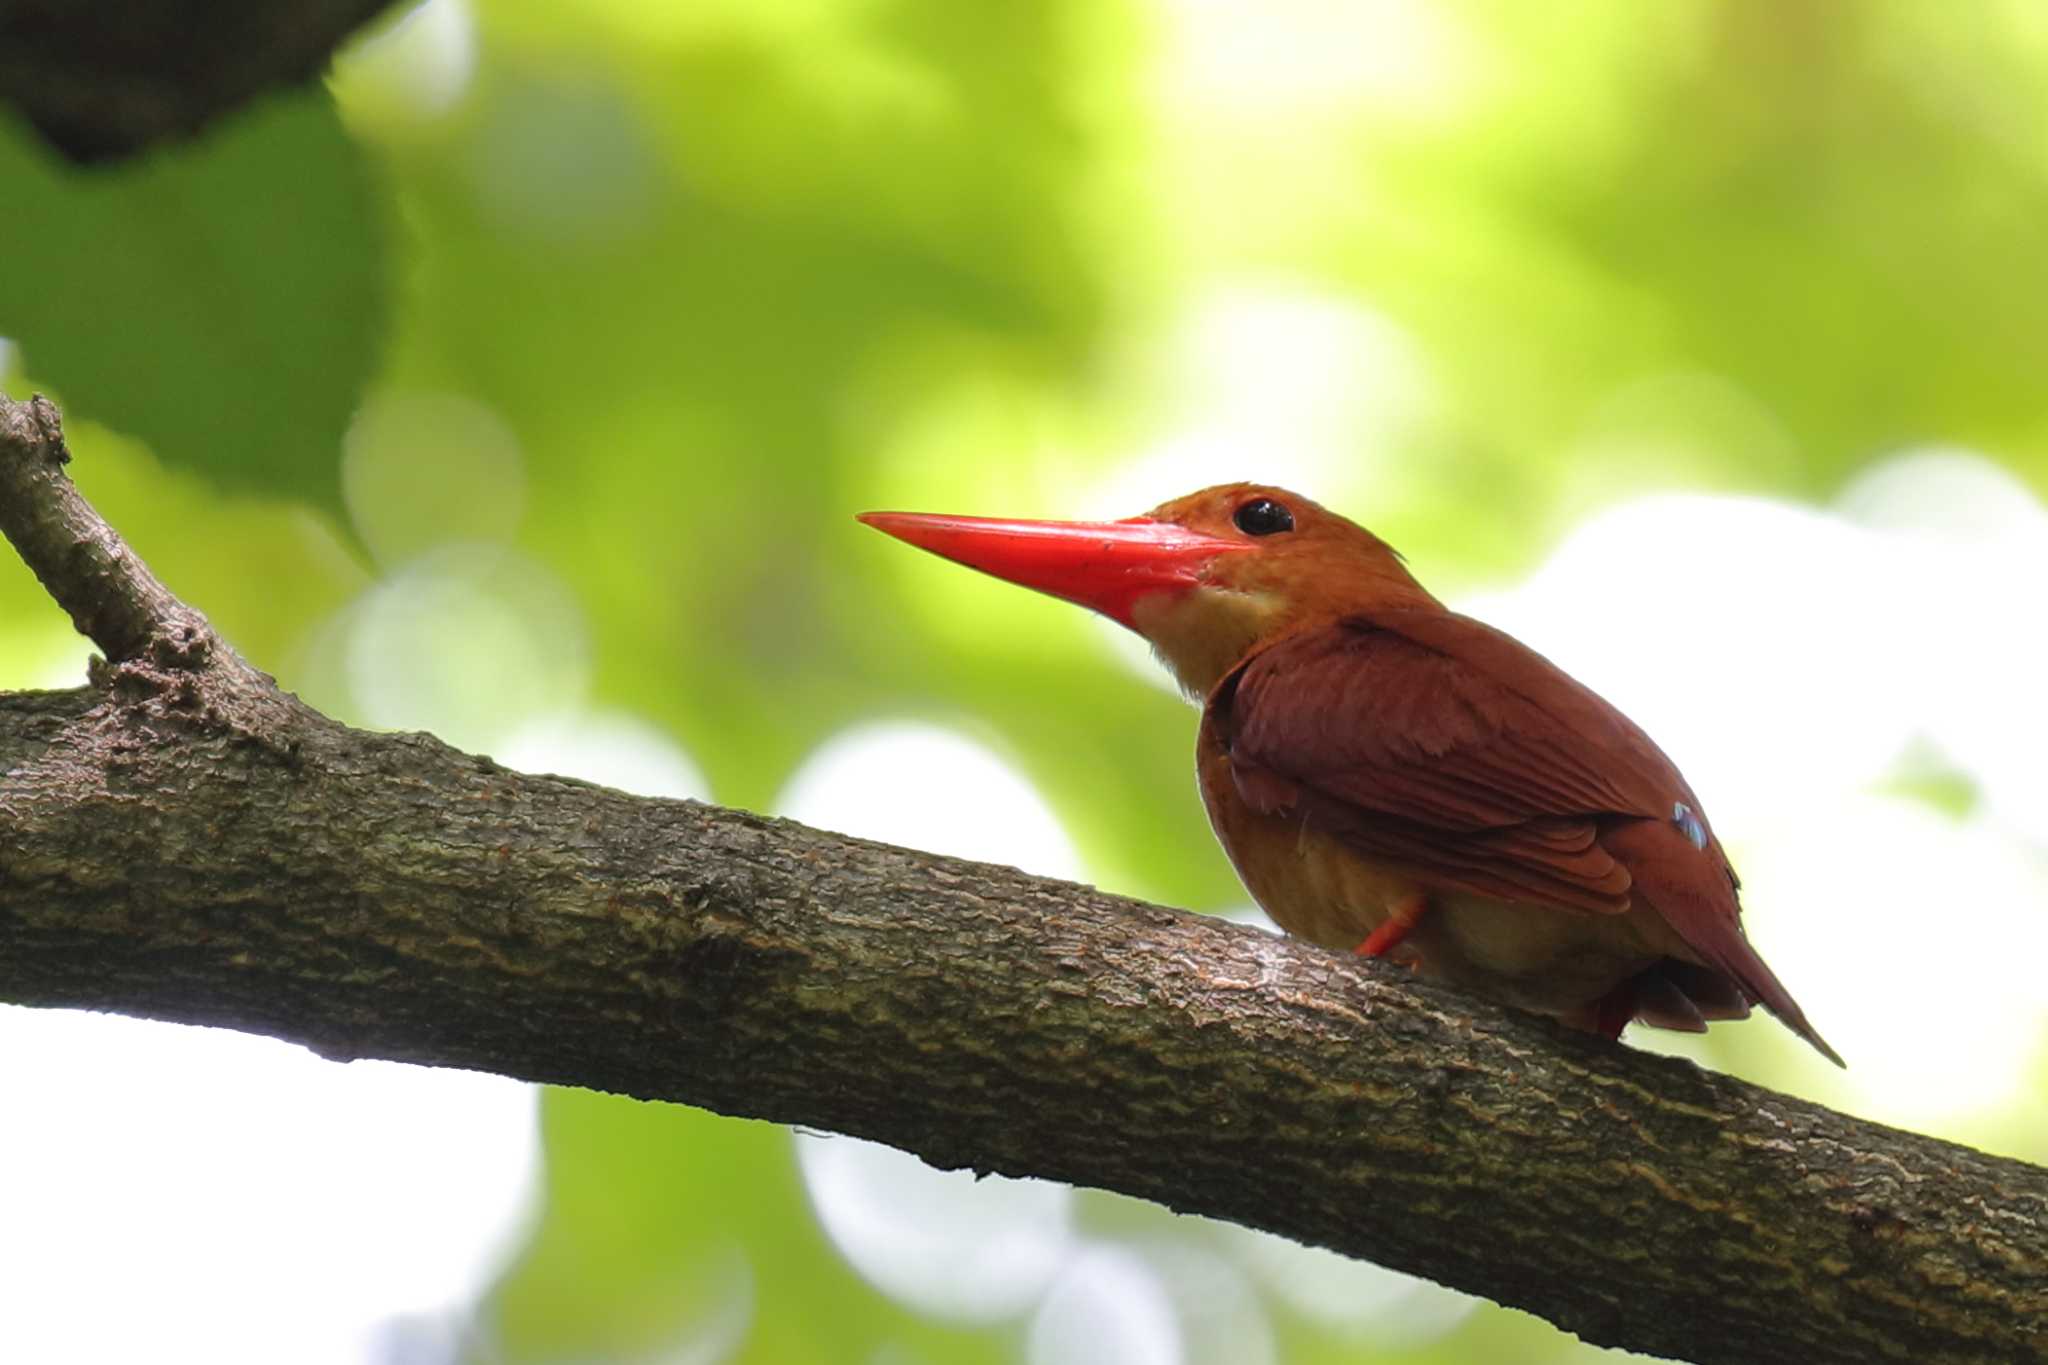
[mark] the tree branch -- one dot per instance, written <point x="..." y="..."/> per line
<point x="101" y="79"/>
<point x="182" y="841"/>
<point x="113" y="598"/>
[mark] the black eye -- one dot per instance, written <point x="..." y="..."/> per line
<point x="1263" y="517"/>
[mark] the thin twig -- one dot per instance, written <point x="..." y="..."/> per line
<point x="113" y="598"/>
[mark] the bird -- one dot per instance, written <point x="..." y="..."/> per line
<point x="1395" y="779"/>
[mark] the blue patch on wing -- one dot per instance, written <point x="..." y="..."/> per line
<point x="1689" y="824"/>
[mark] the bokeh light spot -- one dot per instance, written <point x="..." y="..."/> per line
<point x="1753" y="640"/>
<point x="611" y="748"/>
<point x="410" y="69"/>
<point x="944" y="1242"/>
<point x="252" y="1202"/>
<point x="467" y="643"/>
<point x="1275" y="383"/>
<point x="1217" y="1307"/>
<point x="1346" y="1296"/>
<point x="1297" y="55"/>
<point x="1863" y="906"/>
<point x="567" y="163"/>
<point x="929" y="788"/>
<point x="1945" y="492"/>
<point x="1108" y="1308"/>
<point x="1966" y="537"/>
<point x="426" y="469"/>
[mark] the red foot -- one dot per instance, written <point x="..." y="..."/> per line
<point x="1382" y="940"/>
<point x="1393" y="929"/>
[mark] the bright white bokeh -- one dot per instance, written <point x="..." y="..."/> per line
<point x="1347" y="1297"/>
<point x="912" y="783"/>
<point x="1914" y="941"/>
<point x="1218" y="1314"/>
<point x="178" y="1194"/>
<point x="1272" y="382"/>
<point x="1278" y="60"/>
<point x="943" y="1242"/>
<point x="1971" y="542"/>
<point x="611" y="748"/>
<point x="1752" y="639"/>
<point x="412" y="69"/>
<point x="468" y="642"/>
<point x="1109" y="1307"/>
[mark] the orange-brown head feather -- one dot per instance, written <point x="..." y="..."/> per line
<point x="1306" y="567"/>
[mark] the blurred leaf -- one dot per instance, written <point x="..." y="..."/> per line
<point x="735" y="261"/>
<point x="221" y="302"/>
<point x="672" y="1233"/>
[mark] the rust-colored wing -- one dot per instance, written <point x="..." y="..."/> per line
<point x="1439" y="743"/>
<point x="1435" y="743"/>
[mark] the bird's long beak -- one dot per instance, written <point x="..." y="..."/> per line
<point x="1106" y="566"/>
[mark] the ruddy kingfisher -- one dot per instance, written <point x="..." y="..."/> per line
<point x="1393" y="778"/>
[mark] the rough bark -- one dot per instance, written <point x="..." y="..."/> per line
<point x="101" y="79"/>
<point x="180" y="840"/>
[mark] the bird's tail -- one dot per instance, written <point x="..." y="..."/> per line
<point x="1696" y="899"/>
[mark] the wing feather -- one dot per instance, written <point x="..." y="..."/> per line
<point x="1407" y="736"/>
<point x="1435" y="743"/>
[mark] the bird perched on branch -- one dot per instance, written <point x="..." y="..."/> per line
<point x="1391" y="777"/>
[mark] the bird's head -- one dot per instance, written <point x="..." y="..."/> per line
<point x="1204" y="578"/>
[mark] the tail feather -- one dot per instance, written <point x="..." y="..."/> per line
<point x="1690" y="887"/>
<point x="1658" y="1001"/>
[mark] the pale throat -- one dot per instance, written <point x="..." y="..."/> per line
<point x="1200" y="634"/>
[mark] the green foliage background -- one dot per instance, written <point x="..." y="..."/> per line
<point x="719" y="274"/>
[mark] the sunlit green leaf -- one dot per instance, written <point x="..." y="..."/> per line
<point x="221" y="301"/>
